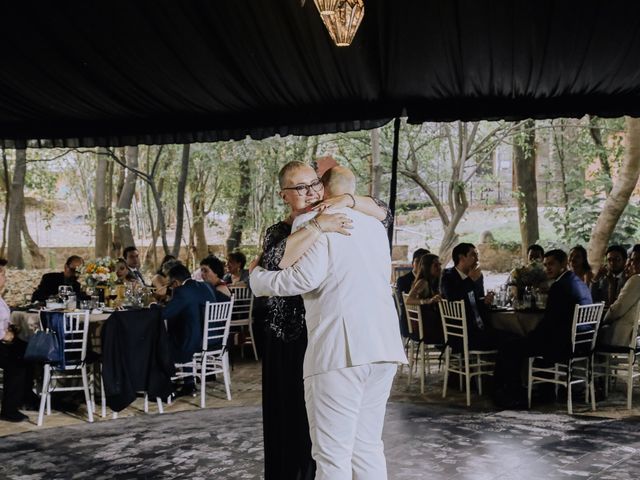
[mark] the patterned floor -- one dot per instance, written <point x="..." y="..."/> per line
<point x="422" y="441"/>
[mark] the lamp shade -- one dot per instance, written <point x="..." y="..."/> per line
<point x="343" y="22"/>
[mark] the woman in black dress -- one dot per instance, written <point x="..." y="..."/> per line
<point x="287" y="445"/>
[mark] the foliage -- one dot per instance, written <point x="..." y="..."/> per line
<point x="591" y="169"/>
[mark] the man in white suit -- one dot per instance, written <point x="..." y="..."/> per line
<point x="354" y="338"/>
<point x="617" y="325"/>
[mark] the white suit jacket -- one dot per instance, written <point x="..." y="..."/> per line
<point x="617" y="325"/>
<point x="344" y="281"/>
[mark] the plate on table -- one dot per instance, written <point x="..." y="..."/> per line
<point x="500" y="309"/>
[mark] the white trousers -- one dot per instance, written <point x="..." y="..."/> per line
<point x="346" y="410"/>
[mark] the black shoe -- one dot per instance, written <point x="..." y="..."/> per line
<point x="31" y="403"/>
<point x="14" y="417"/>
<point x="510" y="399"/>
<point x="187" y="391"/>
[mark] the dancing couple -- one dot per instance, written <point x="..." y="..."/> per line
<point x="333" y="342"/>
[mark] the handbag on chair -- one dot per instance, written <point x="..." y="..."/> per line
<point x="43" y="347"/>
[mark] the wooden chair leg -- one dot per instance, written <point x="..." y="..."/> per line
<point x="530" y="381"/>
<point x="445" y="381"/>
<point x="44" y="394"/>
<point x="87" y="395"/>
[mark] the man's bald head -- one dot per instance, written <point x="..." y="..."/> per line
<point x="339" y="180"/>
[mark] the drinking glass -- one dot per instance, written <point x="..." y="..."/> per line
<point x="492" y="293"/>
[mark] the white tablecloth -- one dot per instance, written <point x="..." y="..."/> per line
<point x="29" y="322"/>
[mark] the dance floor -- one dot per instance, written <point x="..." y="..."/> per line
<point x="421" y="441"/>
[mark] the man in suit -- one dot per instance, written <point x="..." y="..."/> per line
<point x="551" y="339"/>
<point x="50" y="282"/>
<point x="354" y="340"/>
<point x="610" y="278"/>
<point x="404" y="284"/>
<point x="132" y="257"/>
<point x="185" y="315"/>
<point x="464" y="281"/>
<point x="617" y="325"/>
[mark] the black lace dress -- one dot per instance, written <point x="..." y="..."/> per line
<point x="287" y="445"/>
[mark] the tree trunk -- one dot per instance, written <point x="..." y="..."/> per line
<point x="102" y="232"/>
<point x="37" y="259"/>
<point x="7" y="196"/>
<point x="117" y="242"/>
<point x="16" y="210"/>
<point x="524" y="169"/>
<point x="620" y="194"/>
<point x="200" y="238"/>
<point x="182" y="186"/>
<point x="601" y="151"/>
<point x="109" y="203"/>
<point x="123" y="217"/>
<point x="376" y="166"/>
<point x="240" y="213"/>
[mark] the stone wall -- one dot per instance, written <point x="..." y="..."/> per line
<point x="21" y="283"/>
<point x="496" y="259"/>
<point x="56" y="256"/>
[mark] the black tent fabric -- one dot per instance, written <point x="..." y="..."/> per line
<point x="117" y="72"/>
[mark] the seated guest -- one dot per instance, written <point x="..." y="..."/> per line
<point x="426" y="287"/>
<point x="579" y="264"/>
<point x="212" y="270"/>
<point x="11" y="360"/>
<point x="610" y="278"/>
<point x="132" y="257"/>
<point x="535" y="253"/>
<point x="123" y="274"/>
<point x="426" y="293"/>
<point x="617" y="324"/>
<point x="184" y="314"/>
<point x="160" y="280"/>
<point x="531" y="274"/>
<point x="403" y="285"/>
<point x="236" y="273"/>
<point x="552" y="336"/>
<point x="464" y="281"/>
<point x="50" y="282"/>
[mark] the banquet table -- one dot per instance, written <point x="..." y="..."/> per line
<point x="518" y="322"/>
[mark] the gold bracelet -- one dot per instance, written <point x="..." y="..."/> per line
<point x="353" y="200"/>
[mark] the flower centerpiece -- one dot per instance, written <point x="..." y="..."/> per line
<point x="531" y="275"/>
<point x="101" y="271"/>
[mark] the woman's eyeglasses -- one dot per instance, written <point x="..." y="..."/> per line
<point x="303" y="190"/>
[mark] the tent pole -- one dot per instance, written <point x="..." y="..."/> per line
<point x="394" y="178"/>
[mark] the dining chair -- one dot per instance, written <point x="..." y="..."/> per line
<point x="420" y="353"/>
<point x="611" y="360"/>
<point x="466" y="362"/>
<point x="399" y="310"/>
<point x="578" y="366"/>
<point x="214" y="357"/>
<point x="74" y="330"/>
<point x="242" y="316"/>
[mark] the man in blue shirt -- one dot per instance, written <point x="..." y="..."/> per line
<point x="185" y="316"/>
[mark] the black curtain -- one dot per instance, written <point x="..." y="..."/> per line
<point x="116" y="72"/>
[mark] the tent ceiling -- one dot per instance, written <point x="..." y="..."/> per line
<point x="114" y="72"/>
